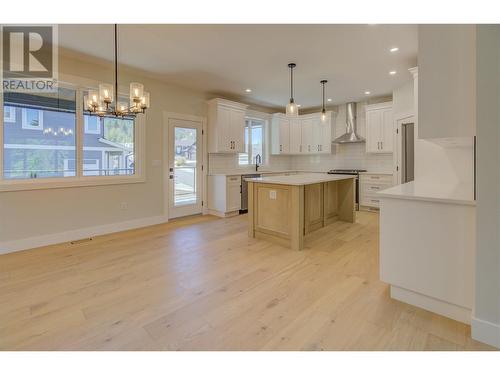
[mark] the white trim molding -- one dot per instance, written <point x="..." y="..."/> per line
<point x="78" y="234"/>
<point x="486" y="332"/>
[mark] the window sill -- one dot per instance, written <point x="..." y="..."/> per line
<point x="67" y="182"/>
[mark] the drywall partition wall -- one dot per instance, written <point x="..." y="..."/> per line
<point x="26" y="214"/>
<point x="436" y="164"/>
<point x="486" y="315"/>
<point x="403" y="100"/>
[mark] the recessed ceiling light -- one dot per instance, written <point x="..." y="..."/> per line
<point x="367" y="92"/>
<point x="248" y="90"/>
<point x="392" y="72"/>
<point x="394" y="49"/>
<point x="329" y="99"/>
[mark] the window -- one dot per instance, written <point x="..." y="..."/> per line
<point x="9" y="114"/>
<point x="32" y="118"/>
<point x="31" y="154"/>
<point x="92" y="124"/>
<point x="114" y="150"/>
<point x="254" y="134"/>
<point x="40" y="143"/>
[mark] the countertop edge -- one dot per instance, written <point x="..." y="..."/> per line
<point x="462" y="202"/>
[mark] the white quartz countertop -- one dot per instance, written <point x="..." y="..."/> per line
<point x="456" y="194"/>
<point x="240" y="172"/>
<point x="377" y="172"/>
<point x="301" y="179"/>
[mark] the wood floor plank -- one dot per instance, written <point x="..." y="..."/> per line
<point x="201" y="283"/>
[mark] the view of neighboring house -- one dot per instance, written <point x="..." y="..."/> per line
<point x="40" y="140"/>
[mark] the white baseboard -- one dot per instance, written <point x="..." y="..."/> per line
<point x="222" y="214"/>
<point x="486" y="332"/>
<point x="78" y="234"/>
<point x="459" y="313"/>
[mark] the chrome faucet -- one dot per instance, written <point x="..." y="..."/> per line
<point x="258" y="162"/>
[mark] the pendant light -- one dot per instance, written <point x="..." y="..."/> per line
<point x="323" y="110"/>
<point x="291" y="109"/>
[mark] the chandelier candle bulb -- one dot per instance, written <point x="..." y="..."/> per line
<point x="136" y="91"/>
<point x="121" y="108"/>
<point x="93" y="98"/>
<point x="106" y="93"/>
<point x="145" y="100"/>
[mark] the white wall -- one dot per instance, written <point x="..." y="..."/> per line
<point x="486" y="319"/>
<point x="403" y="99"/>
<point x="26" y="214"/>
<point x="435" y="164"/>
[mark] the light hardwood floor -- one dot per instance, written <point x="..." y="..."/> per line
<point x="201" y="284"/>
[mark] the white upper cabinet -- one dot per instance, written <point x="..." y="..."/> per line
<point x="307" y="136"/>
<point x="280" y="134"/>
<point x="379" y="128"/>
<point x="447" y="81"/>
<point x="303" y="135"/>
<point x="295" y="136"/>
<point x="226" y="126"/>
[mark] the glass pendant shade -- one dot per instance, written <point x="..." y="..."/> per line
<point x="145" y="100"/>
<point x="136" y="91"/>
<point x="323" y="116"/>
<point x="121" y="108"/>
<point x="106" y="92"/>
<point x="292" y="110"/>
<point x="93" y="98"/>
<point x="87" y="103"/>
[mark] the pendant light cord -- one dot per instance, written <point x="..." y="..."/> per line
<point x="291" y="84"/>
<point x="116" y="65"/>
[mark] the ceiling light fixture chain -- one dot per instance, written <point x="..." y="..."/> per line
<point x="100" y="102"/>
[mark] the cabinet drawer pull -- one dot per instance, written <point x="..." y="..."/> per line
<point x="375" y="177"/>
<point x="374" y="200"/>
<point x="374" y="187"/>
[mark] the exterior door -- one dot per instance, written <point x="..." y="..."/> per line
<point x="184" y="167"/>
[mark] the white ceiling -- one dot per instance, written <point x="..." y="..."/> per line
<point x="227" y="59"/>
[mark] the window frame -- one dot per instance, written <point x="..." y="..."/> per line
<point x="79" y="85"/>
<point x="24" y="120"/>
<point x="12" y="115"/>
<point x="264" y="122"/>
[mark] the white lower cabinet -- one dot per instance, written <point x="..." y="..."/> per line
<point x="224" y="195"/>
<point x="369" y="185"/>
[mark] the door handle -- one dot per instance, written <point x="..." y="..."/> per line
<point x="381" y="145"/>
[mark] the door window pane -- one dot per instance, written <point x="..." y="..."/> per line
<point x="40" y="139"/>
<point x="185" y="166"/>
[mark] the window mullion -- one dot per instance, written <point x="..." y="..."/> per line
<point x="79" y="133"/>
<point x="249" y="130"/>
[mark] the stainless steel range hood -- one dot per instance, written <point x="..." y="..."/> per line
<point x="350" y="135"/>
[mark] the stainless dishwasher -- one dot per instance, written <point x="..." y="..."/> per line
<point x="244" y="192"/>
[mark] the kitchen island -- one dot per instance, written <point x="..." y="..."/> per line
<point x="284" y="209"/>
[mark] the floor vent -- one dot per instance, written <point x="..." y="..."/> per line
<point x="80" y="241"/>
